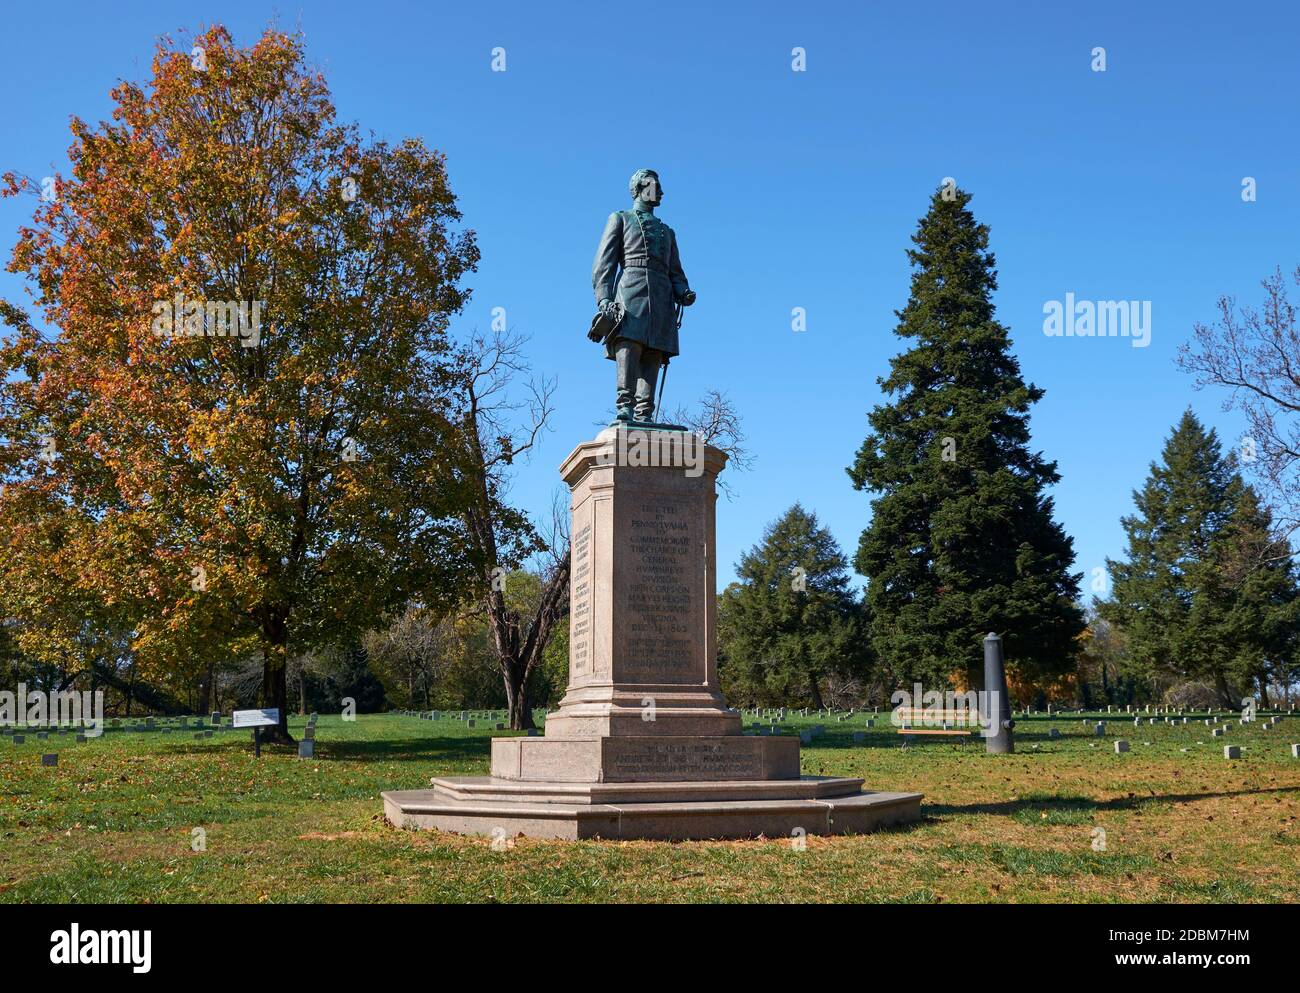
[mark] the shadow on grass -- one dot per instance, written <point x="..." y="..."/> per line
<point x="1086" y="804"/>
<point x="386" y="750"/>
<point x="405" y="749"/>
<point x="934" y="742"/>
<point x="841" y="742"/>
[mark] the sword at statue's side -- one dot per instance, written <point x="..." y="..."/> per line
<point x="663" y="374"/>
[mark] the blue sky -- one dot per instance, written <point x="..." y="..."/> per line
<point x="801" y="189"/>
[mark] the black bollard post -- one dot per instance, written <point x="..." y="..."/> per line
<point x="998" y="739"/>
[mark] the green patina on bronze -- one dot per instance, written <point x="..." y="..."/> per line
<point x="640" y="287"/>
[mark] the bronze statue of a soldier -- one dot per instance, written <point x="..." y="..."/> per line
<point x="640" y="290"/>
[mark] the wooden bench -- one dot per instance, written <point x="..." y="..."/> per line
<point x="910" y="716"/>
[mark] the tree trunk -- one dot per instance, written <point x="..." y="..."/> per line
<point x="302" y="692"/>
<point x="815" y="691"/>
<point x="275" y="687"/>
<point x="517" y="702"/>
<point x="206" y="692"/>
<point x="517" y="653"/>
<point x="1221" y="685"/>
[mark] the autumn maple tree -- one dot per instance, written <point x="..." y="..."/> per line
<point x="226" y="420"/>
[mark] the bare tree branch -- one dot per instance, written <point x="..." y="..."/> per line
<point x="716" y="420"/>
<point x="1255" y="354"/>
<point x="497" y="429"/>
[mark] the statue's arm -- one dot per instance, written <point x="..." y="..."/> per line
<point x="604" y="271"/>
<point x="682" y="292"/>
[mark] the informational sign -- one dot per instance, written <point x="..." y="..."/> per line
<point x="255" y="718"/>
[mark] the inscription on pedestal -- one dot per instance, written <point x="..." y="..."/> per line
<point x="661" y="641"/>
<point x="580" y="602"/>
<point x="648" y="760"/>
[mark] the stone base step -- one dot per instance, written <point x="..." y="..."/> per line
<point x="491" y="790"/>
<point x="851" y="813"/>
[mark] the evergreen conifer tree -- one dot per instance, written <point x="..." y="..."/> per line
<point x="962" y="539"/>
<point x="792" y="619"/>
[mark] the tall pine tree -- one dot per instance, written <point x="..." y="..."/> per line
<point x="962" y="540"/>
<point x="1206" y="592"/>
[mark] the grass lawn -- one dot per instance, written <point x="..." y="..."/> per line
<point x="113" y="822"/>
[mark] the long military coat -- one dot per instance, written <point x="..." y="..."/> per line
<point x="637" y="265"/>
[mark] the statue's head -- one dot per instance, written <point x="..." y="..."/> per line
<point x="644" y="185"/>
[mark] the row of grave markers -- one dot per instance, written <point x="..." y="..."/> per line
<point x="471" y="718"/>
<point x="19" y="734"/>
<point x="80" y="737"/>
<point x="306" y="747"/>
<point x="776" y="716"/>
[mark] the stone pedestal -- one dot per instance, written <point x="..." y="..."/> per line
<point x="643" y="744"/>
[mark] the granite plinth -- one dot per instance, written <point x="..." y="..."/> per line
<point x="668" y="818"/>
<point x="651" y="759"/>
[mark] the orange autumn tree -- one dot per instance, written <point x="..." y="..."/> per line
<point x="236" y="432"/>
